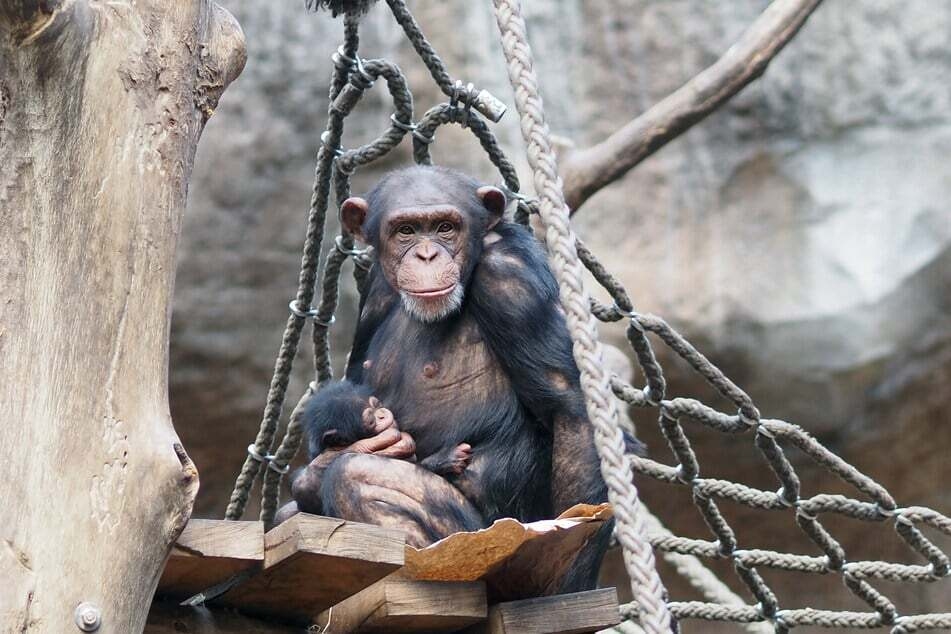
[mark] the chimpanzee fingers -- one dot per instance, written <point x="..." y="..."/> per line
<point x="373" y="444"/>
<point x="376" y="418"/>
<point x="404" y="448"/>
<point x="384" y="419"/>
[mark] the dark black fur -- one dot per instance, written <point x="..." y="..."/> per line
<point x="511" y="307"/>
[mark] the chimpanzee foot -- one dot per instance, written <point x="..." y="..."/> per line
<point x="449" y="462"/>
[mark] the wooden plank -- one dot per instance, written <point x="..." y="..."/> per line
<point x="169" y="618"/>
<point x="312" y="563"/>
<point x="209" y="552"/>
<point x="401" y="605"/>
<point x="561" y="614"/>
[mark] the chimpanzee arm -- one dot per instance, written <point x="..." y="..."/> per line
<point x="515" y="301"/>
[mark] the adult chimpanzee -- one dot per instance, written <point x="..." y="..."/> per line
<point x="462" y="339"/>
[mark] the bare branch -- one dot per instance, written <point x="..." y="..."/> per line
<point x="587" y="170"/>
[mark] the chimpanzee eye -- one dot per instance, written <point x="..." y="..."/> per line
<point x="445" y="227"/>
<point x="406" y="230"/>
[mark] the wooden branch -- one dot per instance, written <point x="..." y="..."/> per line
<point x="588" y="170"/>
<point x="97" y="140"/>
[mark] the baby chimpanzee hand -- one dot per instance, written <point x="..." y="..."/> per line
<point x="387" y="439"/>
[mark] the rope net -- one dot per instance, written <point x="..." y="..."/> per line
<point x="651" y="611"/>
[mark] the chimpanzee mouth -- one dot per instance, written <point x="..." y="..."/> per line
<point x="432" y="294"/>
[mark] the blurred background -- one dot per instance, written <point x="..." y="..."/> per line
<point x="800" y="236"/>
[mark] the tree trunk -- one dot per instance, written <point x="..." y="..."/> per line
<point x="101" y="107"/>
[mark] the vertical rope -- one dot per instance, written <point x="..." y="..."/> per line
<point x="638" y="556"/>
<point x="305" y="290"/>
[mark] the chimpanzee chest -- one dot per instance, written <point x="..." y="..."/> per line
<point x="440" y="380"/>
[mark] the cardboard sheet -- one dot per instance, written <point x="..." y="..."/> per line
<point x="515" y="560"/>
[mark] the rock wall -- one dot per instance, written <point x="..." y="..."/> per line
<point x="800" y="237"/>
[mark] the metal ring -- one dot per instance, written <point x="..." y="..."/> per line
<point x="303" y="314"/>
<point x="456" y="88"/>
<point x="470" y="97"/>
<point x="405" y="127"/>
<point x="341" y="55"/>
<point x="781" y="494"/>
<point x="324" y="140"/>
<point x="752" y="422"/>
<point x="272" y="465"/>
<point x="422" y="138"/>
<point x="338" y="244"/>
<point x="253" y="452"/>
<point x="363" y="71"/>
<point x="324" y="324"/>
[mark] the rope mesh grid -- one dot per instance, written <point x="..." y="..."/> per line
<point x="651" y="611"/>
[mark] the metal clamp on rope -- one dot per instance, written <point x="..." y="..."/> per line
<point x="325" y="141"/>
<point x="361" y="69"/>
<point x="273" y="466"/>
<point x="312" y="314"/>
<point x="269" y="460"/>
<point x="483" y="101"/>
<point x="405" y="127"/>
<point x="338" y="244"/>
<point x="342" y="60"/>
<point x="468" y="96"/>
<point x="254" y="453"/>
<point x="303" y="314"/>
<point x="422" y="138"/>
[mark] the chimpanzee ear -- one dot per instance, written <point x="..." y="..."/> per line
<point x="494" y="201"/>
<point x="353" y="213"/>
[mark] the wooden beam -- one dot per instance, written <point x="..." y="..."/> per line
<point x="209" y="552"/>
<point x="401" y="605"/>
<point x="169" y="618"/>
<point x="561" y="614"/>
<point x="312" y="563"/>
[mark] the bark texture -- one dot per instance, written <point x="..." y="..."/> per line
<point x="101" y="107"/>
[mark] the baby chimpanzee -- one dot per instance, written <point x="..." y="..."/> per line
<point x="461" y="358"/>
<point x="357" y="415"/>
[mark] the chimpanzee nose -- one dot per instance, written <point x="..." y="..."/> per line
<point x="426" y="252"/>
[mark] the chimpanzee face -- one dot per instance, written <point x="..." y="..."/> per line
<point x="423" y="252"/>
<point x="427" y="243"/>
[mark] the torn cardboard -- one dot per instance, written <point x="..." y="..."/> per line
<point x="515" y="560"/>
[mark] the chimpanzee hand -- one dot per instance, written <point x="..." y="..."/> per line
<point x="384" y="439"/>
<point x="387" y="439"/>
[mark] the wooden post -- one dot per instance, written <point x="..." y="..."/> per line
<point x="101" y="108"/>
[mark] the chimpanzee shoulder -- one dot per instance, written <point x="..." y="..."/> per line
<point x="514" y="299"/>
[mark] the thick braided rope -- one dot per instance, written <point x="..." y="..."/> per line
<point x="602" y="410"/>
<point x="305" y="290"/>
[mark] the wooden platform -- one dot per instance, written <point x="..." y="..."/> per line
<point x="340" y="575"/>
<point x="561" y="614"/>
<point x="209" y="552"/>
<point x="400" y="605"/>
